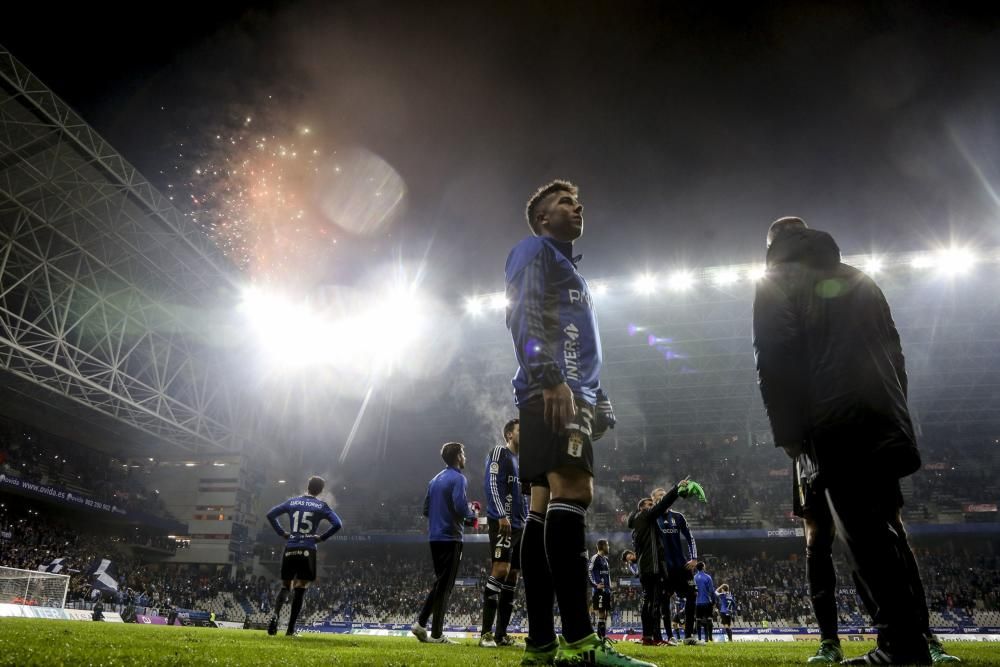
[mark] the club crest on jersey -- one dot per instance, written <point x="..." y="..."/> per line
<point x="575" y="446"/>
<point x="494" y="467"/>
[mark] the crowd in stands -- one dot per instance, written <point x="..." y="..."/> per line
<point x="748" y="487"/>
<point x="770" y="592"/>
<point x="390" y="587"/>
<point x="33" y="535"/>
<point x="30" y="454"/>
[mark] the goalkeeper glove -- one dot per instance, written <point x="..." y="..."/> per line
<point x="688" y="489"/>
<point x="604" y="417"/>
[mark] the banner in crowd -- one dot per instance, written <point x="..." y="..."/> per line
<point x="54" y="613"/>
<point x="980" y="507"/>
<point x="57" y="494"/>
<point x="6" y="535"/>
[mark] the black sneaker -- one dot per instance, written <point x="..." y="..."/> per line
<point x="272" y="627"/>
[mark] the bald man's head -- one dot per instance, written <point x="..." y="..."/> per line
<point x="783" y="226"/>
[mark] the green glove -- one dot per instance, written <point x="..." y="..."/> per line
<point x="691" y="489"/>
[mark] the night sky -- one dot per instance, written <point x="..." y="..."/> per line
<point x="688" y="126"/>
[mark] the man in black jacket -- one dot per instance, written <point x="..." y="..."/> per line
<point x="645" y="539"/>
<point x="832" y="376"/>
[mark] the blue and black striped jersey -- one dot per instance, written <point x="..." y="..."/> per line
<point x="502" y="487"/>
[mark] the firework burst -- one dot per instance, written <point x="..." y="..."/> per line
<point x="252" y="188"/>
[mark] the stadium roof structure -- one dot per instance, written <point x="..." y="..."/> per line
<point x="100" y="277"/>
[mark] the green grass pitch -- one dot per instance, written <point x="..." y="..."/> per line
<point x="27" y="642"/>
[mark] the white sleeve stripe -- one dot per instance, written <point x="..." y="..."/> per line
<point x="494" y="489"/>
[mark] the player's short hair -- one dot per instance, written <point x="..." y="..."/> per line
<point x="725" y="588"/>
<point x="659" y="489"/>
<point x="602" y="545"/>
<point x="782" y="226"/>
<point x="450" y="452"/>
<point x="625" y="555"/>
<point x="638" y="505"/>
<point x="701" y="565"/>
<point x="315" y="485"/>
<point x="508" y="428"/>
<point x="531" y="211"/>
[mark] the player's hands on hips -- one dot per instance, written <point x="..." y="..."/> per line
<point x="560" y="408"/>
<point x="505" y="527"/>
<point x="692" y="564"/>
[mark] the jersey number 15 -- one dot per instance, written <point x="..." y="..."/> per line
<point x="302" y="522"/>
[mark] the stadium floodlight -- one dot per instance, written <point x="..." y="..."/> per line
<point x="726" y="277"/>
<point x="498" y="302"/>
<point x="473" y="305"/>
<point x="922" y="262"/>
<point x="757" y="272"/>
<point x="872" y="265"/>
<point x="954" y="261"/>
<point x="644" y="284"/>
<point x="680" y="281"/>
<point x="599" y="289"/>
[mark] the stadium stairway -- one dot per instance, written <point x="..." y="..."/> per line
<point x="244" y="603"/>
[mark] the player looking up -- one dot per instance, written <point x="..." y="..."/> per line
<point x="298" y="563"/>
<point x="563" y="410"/>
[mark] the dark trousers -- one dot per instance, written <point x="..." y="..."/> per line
<point x="446" y="557"/>
<point x="679" y="581"/>
<point x="704" y="614"/>
<point x="650" y="611"/>
<point x="882" y="562"/>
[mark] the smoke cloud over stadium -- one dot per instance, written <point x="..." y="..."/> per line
<point x="321" y="289"/>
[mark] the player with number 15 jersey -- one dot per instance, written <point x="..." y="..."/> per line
<point x="298" y="563"/>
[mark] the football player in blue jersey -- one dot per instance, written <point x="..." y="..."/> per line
<point x="563" y="411"/>
<point x="727" y="609"/>
<point x="298" y="563"/>
<point x="600" y="582"/>
<point x="506" y="510"/>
